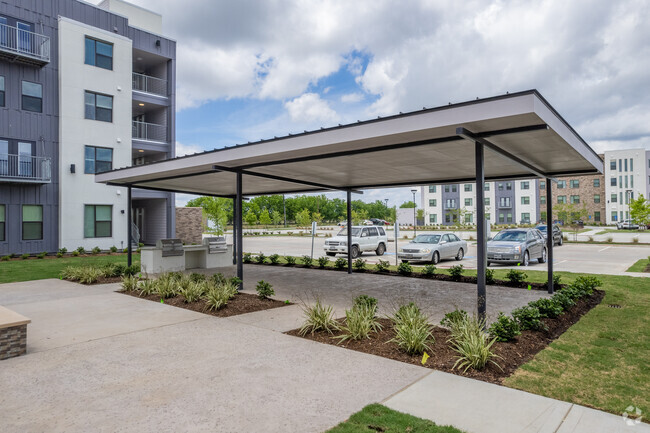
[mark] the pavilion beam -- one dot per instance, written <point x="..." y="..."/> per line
<point x="349" y="229"/>
<point x="481" y="235"/>
<point x="240" y="235"/>
<point x="549" y="235"/>
<point x="129" y="256"/>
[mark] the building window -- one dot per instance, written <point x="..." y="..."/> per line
<point x="542" y="184"/>
<point x="625" y="164"/>
<point x="613" y="181"/>
<point x="631" y="164"/>
<point x="509" y="218"/>
<point x="597" y="216"/>
<point x="446" y="188"/>
<point x="509" y="186"/>
<point x="525" y="218"/>
<point x="2" y="91"/>
<point x="99" y="53"/>
<point x="501" y="218"/>
<point x="98" y="106"/>
<point x="542" y="199"/>
<point x="432" y="188"/>
<point x="468" y="202"/>
<point x="504" y="202"/>
<point x="454" y="188"/>
<point x="574" y="183"/>
<point x="469" y="218"/>
<point x="32" y="97"/>
<point x="525" y="185"/>
<point x="613" y="198"/>
<point x="2" y="223"/>
<point x="596" y="198"/>
<point x="631" y="181"/>
<point x="596" y="183"/>
<point x="468" y="187"/>
<point x="620" y="165"/>
<point x="614" y="216"/>
<point x="612" y="164"/>
<point x="620" y="181"/>
<point x="432" y="202"/>
<point x="620" y="197"/>
<point x="450" y="203"/>
<point x="561" y="184"/>
<point x="32" y="222"/>
<point x="433" y="218"/>
<point x="98" y="221"/>
<point x="575" y="199"/>
<point x="500" y="186"/>
<point x="487" y="201"/>
<point x="97" y="159"/>
<point x="626" y="180"/>
<point x="525" y="200"/>
<point x="561" y="199"/>
<point x="487" y="187"/>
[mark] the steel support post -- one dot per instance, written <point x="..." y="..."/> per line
<point x="240" y="234"/>
<point x="235" y="221"/>
<point x="549" y="235"/>
<point x="129" y="232"/>
<point x="349" y="227"/>
<point x="481" y="238"/>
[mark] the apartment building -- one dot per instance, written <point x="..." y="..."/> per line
<point x="83" y="89"/>
<point x="582" y="191"/>
<point x="627" y="175"/>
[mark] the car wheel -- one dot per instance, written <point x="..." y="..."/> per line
<point x="355" y="251"/>
<point x="331" y="254"/>
<point x="543" y="258"/>
<point x="460" y="255"/>
<point x="381" y="249"/>
<point x="489" y="263"/>
<point x="561" y="241"/>
<point x="526" y="259"/>
<point x="435" y="258"/>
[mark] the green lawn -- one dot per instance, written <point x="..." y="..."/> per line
<point x="639" y="266"/>
<point x="38" y="269"/>
<point x="378" y="418"/>
<point x="604" y="232"/>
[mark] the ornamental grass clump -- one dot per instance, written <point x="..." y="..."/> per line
<point x="318" y="317"/>
<point x="473" y="345"/>
<point x="130" y="283"/>
<point x="195" y="277"/>
<point x="218" y="296"/>
<point x="360" y="321"/>
<point x="82" y="274"/>
<point x="382" y="266"/>
<point x="147" y="287"/>
<point x="194" y="291"/>
<point x="413" y="332"/>
<point x="504" y="328"/>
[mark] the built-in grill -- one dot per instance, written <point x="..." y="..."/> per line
<point x="216" y="244"/>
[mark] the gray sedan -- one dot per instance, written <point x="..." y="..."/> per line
<point x="432" y="248"/>
<point x="516" y="246"/>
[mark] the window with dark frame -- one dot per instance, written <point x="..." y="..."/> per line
<point x="561" y="184"/>
<point x="612" y="164"/>
<point x="525" y="185"/>
<point x="2" y="223"/>
<point x="597" y="216"/>
<point x="542" y="184"/>
<point x="561" y="199"/>
<point x="2" y="91"/>
<point x="99" y="53"/>
<point x="98" y="221"/>
<point x="613" y="198"/>
<point x="98" y="106"/>
<point x="468" y="187"/>
<point x="597" y="183"/>
<point x="97" y="159"/>
<point x="525" y="199"/>
<point x="32" y="97"/>
<point x="32" y="222"/>
<point x="574" y="183"/>
<point x="432" y="202"/>
<point x="468" y="202"/>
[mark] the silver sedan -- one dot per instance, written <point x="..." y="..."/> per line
<point x="432" y="248"/>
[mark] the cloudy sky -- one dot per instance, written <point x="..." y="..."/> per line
<point x="252" y="69"/>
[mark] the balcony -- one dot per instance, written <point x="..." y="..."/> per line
<point x="149" y="84"/>
<point x="25" y="169"/>
<point x="24" y="46"/>
<point x="149" y="132"/>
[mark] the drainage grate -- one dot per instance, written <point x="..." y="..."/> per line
<point x="614" y="306"/>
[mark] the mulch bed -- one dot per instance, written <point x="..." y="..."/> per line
<point x="442" y="357"/>
<point x="242" y="303"/>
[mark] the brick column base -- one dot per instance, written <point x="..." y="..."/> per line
<point x="13" y="341"/>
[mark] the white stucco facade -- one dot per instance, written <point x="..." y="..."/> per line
<point x="75" y="132"/>
<point x="138" y="16"/>
<point x="627" y="175"/>
<point x="526" y="197"/>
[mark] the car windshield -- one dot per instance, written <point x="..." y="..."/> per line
<point x="426" y="239"/>
<point x="356" y="231"/>
<point x="541" y="228"/>
<point x="511" y="236"/>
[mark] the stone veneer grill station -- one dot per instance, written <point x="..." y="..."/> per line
<point x="511" y="137"/>
<point x="13" y="333"/>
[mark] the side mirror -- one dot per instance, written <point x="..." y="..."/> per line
<point x="443" y="242"/>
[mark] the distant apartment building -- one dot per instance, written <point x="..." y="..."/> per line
<point x="627" y="175"/>
<point x="83" y="89"/>
<point x="586" y="192"/>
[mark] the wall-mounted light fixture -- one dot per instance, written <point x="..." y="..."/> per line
<point x="72" y="168"/>
<point x="158" y="42"/>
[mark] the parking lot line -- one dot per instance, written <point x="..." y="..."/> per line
<point x="606" y="248"/>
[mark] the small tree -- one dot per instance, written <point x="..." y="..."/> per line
<point x="316" y="216"/>
<point x="276" y="217"/>
<point x="407" y="205"/>
<point x="265" y="218"/>
<point x="303" y="218"/>
<point x="420" y="216"/>
<point x="250" y="217"/>
<point x="359" y="216"/>
<point x="640" y="211"/>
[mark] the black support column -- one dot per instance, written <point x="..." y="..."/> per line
<point x="549" y="235"/>
<point x="240" y="234"/>
<point x="235" y="221"/>
<point x="129" y="257"/>
<point x="349" y="226"/>
<point x="481" y="238"/>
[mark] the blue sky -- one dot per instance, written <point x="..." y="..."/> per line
<point x="254" y="69"/>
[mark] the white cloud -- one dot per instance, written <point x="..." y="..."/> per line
<point x="187" y="149"/>
<point x="309" y="108"/>
<point x="352" y="97"/>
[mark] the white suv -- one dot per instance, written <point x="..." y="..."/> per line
<point x="363" y="239"/>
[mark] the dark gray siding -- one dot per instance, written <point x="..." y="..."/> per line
<point x="505" y="210"/>
<point x="445" y="197"/>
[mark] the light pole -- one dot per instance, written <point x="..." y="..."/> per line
<point x="284" y="206"/>
<point x="415" y="230"/>
<point x="387" y="213"/>
<point x="627" y="200"/>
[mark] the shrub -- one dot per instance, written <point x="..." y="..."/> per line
<point x="264" y="290"/>
<point x="365" y="300"/>
<point x="248" y="258"/>
<point x="340" y="263"/>
<point x="547" y="307"/>
<point x="59" y="255"/>
<point x="113" y="270"/>
<point x="359" y="264"/>
<point x="322" y="262"/>
<point x="504" y="328"/>
<point x="193" y="291"/>
<point x="131" y="270"/>
<point x="429" y="270"/>
<point x="452" y="319"/>
<point x="412" y="329"/>
<point x="405" y="268"/>
<point x="489" y="276"/>
<point x="41" y="255"/>
<point x="95" y="251"/>
<point x="113" y="249"/>
<point x="306" y="260"/>
<point x="63" y="250"/>
<point x="318" y="318"/>
<point x="261" y="258"/>
<point x="147" y="287"/>
<point x="360" y="321"/>
<point x="195" y="277"/>
<point x="5" y="258"/>
<point x="291" y="260"/>
<point x="81" y="250"/>
<point x="24" y="256"/>
<point x="586" y="284"/>
<point x="609" y="239"/>
<point x="217" y="278"/>
<point x="274" y="258"/>
<point x="564" y="299"/>
<point x="456" y="272"/>
<point x="75" y="253"/>
<point x="473" y="346"/>
<point x="635" y="240"/>
<point x="516" y="277"/>
<point x="528" y="317"/>
<point x="557" y="279"/>
<point x="382" y="266"/>
<point x="235" y="281"/>
<point x="129" y="283"/>
<point x="82" y="274"/>
<point x="167" y="286"/>
<point x="218" y="296"/>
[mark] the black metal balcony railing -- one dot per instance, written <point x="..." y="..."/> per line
<point x="18" y="44"/>
<point x="25" y="168"/>
<point x="149" y="84"/>
<point x="149" y="131"/>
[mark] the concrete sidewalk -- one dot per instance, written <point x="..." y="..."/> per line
<point x="481" y="407"/>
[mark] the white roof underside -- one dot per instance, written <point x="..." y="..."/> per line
<point x="407" y="149"/>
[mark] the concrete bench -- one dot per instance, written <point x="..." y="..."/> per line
<point x="13" y="333"/>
